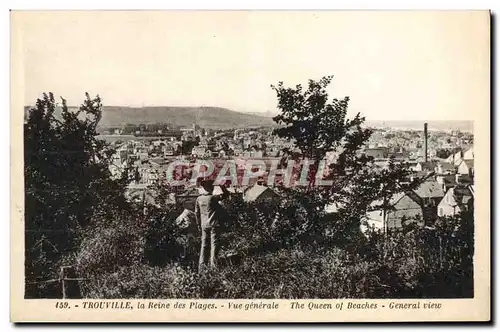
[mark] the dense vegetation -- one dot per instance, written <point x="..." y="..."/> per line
<point x="290" y="248"/>
<point x="264" y="259"/>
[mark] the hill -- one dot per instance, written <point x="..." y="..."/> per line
<point x="206" y="117"/>
<point x="223" y="118"/>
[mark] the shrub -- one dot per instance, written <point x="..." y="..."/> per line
<point x="427" y="263"/>
<point x="106" y="248"/>
<point x="135" y="281"/>
<point x="166" y="242"/>
<point x="140" y="259"/>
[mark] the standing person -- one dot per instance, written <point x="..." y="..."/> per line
<point x="208" y="213"/>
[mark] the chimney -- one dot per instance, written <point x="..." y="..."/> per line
<point x="425" y="142"/>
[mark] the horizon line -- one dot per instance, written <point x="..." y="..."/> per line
<point x="263" y="112"/>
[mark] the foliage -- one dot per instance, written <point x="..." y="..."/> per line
<point x="67" y="181"/>
<point x="404" y="265"/>
<point x="275" y="258"/>
<point x="128" y="282"/>
<point x="267" y="225"/>
<point x="318" y="127"/>
<point x="166" y="241"/>
<point x="428" y="262"/>
<point x="315" y="125"/>
<point x="109" y="246"/>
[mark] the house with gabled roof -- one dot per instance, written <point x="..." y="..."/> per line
<point x="259" y="192"/>
<point x="430" y="191"/>
<point x="445" y="168"/>
<point x="466" y="167"/>
<point x="456" y="200"/>
<point x="401" y="208"/>
<point x="425" y="166"/>
<point x="469" y="154"/>
<point x="455" y="158"/>
<point x="418" y="206"/>
<point x="446" y="181"/>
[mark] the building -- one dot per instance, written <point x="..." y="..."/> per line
<point x="142" y="155"/>
<point x="469" y="154"/>
<point x="402" y="208"/>
<point x="431" y="193"/>
<point x="446" y="181"/>
<point x="455" y="158"/>
<point x="168" y="150"/>
<point x="121" y="155"/>
<point x="466" y="167"/>
<point x="444" y="168"/>
<point x="456" y="200"/>
<point x="425" y="166"/>
<point x="199" y="151"/>
<point x="256" y="154"/>
<point x="258" y="193"/>
<point x="140" y="194"/>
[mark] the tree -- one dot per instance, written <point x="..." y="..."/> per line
<point x="67" y="181"/>
<point x="317" y="127"/>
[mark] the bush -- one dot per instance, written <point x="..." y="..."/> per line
<point x="135" y="281"/>
<point x="277" y="260"/>
<point x="427" y="263"/>
<point x="268" y="225"/>
<point x="284" y="274"/>
<point x="106" y="248"/>
<point x="166" y="242"/>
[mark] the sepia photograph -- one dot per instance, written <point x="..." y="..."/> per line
<point x="325" y="159"/>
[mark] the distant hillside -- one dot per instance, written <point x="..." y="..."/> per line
<point x="267" y="114"/>
<point x="206" y="117"/>
<point x="222" y="118"/>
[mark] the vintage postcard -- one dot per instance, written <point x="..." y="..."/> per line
<point x="250" y="166"/>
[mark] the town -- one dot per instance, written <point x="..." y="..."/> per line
<point x="443" y="159"/>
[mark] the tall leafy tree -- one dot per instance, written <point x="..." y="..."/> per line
<point x="68" y="183"/>
<point x="317" y="127"/>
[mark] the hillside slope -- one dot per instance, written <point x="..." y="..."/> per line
<point x="222" y="118"/>
<point x="206" y="117"/>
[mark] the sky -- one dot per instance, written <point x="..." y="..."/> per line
<point x="392" y="65"/>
